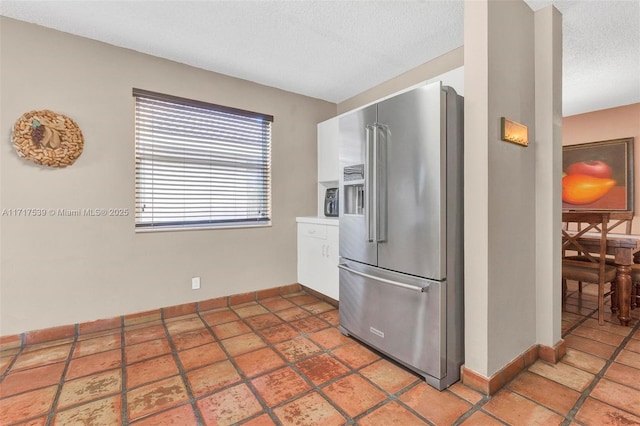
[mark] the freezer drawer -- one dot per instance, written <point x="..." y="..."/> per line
<point x="400" y="315"/>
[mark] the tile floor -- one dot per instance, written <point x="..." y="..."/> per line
<point x="283" y="361"/>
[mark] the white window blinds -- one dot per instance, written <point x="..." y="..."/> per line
<point x="199" y="164"/>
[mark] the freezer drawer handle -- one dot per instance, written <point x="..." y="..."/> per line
<point x="384" y="280"/>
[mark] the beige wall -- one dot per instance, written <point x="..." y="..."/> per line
<point x="63" y="270"/>
<point x="612" y="123"/>
<point x="440" y="65"/>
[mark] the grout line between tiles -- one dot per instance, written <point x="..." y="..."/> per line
<point x="54" y="404"/>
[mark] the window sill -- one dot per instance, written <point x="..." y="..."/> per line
<point x="198" y="228"/>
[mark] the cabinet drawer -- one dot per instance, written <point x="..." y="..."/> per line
<point x="312" y="230"/>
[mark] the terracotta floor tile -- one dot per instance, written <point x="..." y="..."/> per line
<point x="41" y="357"/>
<point x="155" y="397"/>
<point x="182" y="415"/>
<point x="33" y="378"/>
<point x="89" y="388"/>
<point x="229" y="406"/>
<point x="318" y="308"/>
<point x="620" y="396"/>
<point x="261" y="420"/>
<point x="564" y="374"/>
<point x="584" y="361"/>
<point x="90" y="364"/>
<point x="297" y="349"/>
<point x="184" y="325"/>
<point x="201" y="355"/>
<point x="107" y="411"/>
<point x="42" y="421"/>
<point x="618" y="329"/>
<point x="212" y="377"/>
<point x="441" y="408"/>
<point x="332" y="317"/>
<point x="636" y="335"/>
<point x="280" y="385"/>
<point x="544" y="391"/>
<point x="632" y="359"/>
<point x="4" y="363"/>
<point x="145" y="350"/>
<point x="598" y="335"/>
<point x="150" y="370"/>
<point x="330" y="338"/>
<point x="230" y="329"/>
<point x="191" y="339"/>
<point x="633" y="345"/>
<point x="517" y="410"/>
<point x="310" y="324"/>
<point x="99" y="344"/>
<point x="480" y="418"/>
<point x="465" y="392"/>
<point x="250" y="311"/>
<point x="391" y="414"/>
<point x="589" y="346"/>
<point x="47" y="344"/>
<point x="303" y="299"/>
<point x="139" y="335"/>
<point x="26" y="405"/>
<point x="277" y="304"/>
<point x="258" y="362"/>
<point x="594" y="412"/>
<point x="389" y="376"/>
<point x="311" y="409"/>
<point x="293" y="314"/>
<point x="279" y="333"/>
<point x="343" y="393"/>
<point x="220" y="317"/>
<point x="623" y="374"/>
<point x="322" y="368"/>
<point x="242" y="344"/>
<point x="355" y="355"/>
<point x="263" y="321"/>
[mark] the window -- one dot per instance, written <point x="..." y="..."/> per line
<point x="199" y="164"/>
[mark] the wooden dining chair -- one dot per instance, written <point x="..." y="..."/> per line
<point x="618" y="220"/>
<point x="589" y="266"/>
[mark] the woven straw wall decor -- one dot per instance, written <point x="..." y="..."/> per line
<point x="47" y="138"/>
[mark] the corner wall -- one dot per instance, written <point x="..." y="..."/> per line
<point x="501" y="320"/>
<point x="65" y="270"/>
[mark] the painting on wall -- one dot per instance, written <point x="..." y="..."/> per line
<point x="598" y="176"/>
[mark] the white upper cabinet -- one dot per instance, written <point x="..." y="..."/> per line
<point x="328" y="167"/>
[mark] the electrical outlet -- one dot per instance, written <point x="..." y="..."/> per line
<point x="195" y="283"/>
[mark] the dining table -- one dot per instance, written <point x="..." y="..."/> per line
<point x="622" y="247"/>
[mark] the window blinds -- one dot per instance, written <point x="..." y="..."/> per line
<point x="199" y="164"/>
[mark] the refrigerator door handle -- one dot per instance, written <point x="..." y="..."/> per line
<point x="369" y="183"/>
<point x="384" y="280"/>
<point x="380" y="141"/>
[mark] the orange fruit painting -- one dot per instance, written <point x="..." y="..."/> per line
<point x="584" y="189"/>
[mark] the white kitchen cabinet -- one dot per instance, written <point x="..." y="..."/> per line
<point x="318" y="255"/>
<point x="328" y="167"/>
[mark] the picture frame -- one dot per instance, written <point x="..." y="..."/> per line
<point x="598" y="176"/>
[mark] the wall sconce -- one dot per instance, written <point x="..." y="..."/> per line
<point x="513" y="132"/>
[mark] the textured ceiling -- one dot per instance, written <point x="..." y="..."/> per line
<point x="334" y="50"/>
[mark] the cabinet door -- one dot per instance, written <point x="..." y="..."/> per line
<point x="328" y="168"/>
<point x="311" y="248"/>
<point x="330" y="276"/>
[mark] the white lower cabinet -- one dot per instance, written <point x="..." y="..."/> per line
<point x="318" y="255"/>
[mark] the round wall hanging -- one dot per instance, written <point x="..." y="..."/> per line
<point x="48" y="138"/>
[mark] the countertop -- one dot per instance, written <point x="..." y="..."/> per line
<point x="320" y="220"/>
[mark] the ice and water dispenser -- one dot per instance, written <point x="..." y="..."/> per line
<point x="354" y="189"/>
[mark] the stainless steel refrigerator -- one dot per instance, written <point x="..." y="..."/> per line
<point x="401" y="230"/>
